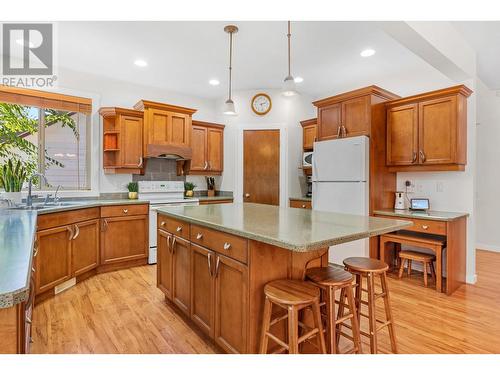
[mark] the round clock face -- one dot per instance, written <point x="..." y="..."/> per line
<point x="261" y="104"/>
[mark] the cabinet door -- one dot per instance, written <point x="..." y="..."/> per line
<point x="437" y="121"/>
<point x="85" y="250"/>
<point x="356" y="116"/>
<point x="231" y="304"/>
<point x="181" y="274"/>
<point x="215" y="149"/>
<point x="308" y="136"/>
<point x="164" y="263"/>
<point x="202" y="288"/>
<point x="402" y="135"/>
<point x="131" y="141"/>
<point x="53" y="262"/>
<point x="158" y="124"/>
<point x="179" y="129"/>
<point x="199" y="160"/>
<point x="124" y="238"/>
<point x="329" y="120"/>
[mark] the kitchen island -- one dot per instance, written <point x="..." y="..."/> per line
<point x="213" y="261"/>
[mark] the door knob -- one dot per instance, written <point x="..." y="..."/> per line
<point x="247" y="195"/>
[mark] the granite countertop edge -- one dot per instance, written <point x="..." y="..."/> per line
<point x="214" y="198"/>
<point x="421" y="215"/>
<point x="313" y="246"/>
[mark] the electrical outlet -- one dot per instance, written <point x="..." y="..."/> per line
<point x="410" y="186"/>
<point x="439" y="186"/>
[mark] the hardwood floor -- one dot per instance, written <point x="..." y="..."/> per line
<point x="124" y="312"/>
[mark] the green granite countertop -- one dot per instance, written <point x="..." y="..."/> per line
<point x="305" y="199"/>
<point x="17" y="235"/>
<point x="429" y="215"/>
<point x="290" y="228"/>
<point x="215" y="198"/>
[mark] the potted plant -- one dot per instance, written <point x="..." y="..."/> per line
<point x="12" y="176"/>
<point x="189" y="187"/>
<point x="133" y="190"/>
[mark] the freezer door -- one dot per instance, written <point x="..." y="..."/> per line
<point x="343" y="159"/>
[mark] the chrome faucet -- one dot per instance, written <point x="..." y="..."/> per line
<point x="56" y="198"/>
<point x="29" y="199"/>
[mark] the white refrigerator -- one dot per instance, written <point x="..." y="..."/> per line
<point x="340" y="184"/>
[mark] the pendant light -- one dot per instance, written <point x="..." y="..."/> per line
<point x="289" y="88"/>
<point x="229" y="104"/>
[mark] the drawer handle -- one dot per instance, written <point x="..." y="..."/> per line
<point x="125" y="211"/>
<point x="425" y="227"/>
<point x="179" y="229"/>
<point x="33" y="269"/>
<point x="162" y="224"/>
<point x="227" y="245"/>
<point x="209" y="257"/>
<point x="199" y="236"/>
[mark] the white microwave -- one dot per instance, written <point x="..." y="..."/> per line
<point x="307" y="159"/>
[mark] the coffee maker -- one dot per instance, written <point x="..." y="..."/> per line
<point x="309" y="186"/>
<point x="400" y="202"/>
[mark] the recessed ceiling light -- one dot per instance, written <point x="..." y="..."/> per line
<point x="367" y="52"/>
<point x="214" y="82"/>
<point x="298" y="79"/>
<point x="21" y="43"/>
<point x="140" y="63"/>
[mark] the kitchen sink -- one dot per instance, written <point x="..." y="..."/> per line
<point x="45" y="206"/>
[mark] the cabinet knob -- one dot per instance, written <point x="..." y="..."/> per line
<point x="125" y="211"/>
<point x="162" y="224"/>
<point x="303" y="206"/>
<point x="199" y="236"/>
<point x="425" y="227"/>
<point x="247" y="195"/>
<point x="179" y="229"/>
<point x="227" y="245"/>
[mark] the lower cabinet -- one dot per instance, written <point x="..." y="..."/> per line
<point x="181" y="272"/>
<point x="85" y="252"/>
<point x="203" y="288"/>
<point x="164" y="263"/>
<point x="124" y="238"/>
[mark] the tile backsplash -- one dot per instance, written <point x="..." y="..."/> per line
<point x="159" y="170"/>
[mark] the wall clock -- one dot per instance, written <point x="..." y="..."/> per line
<point x="261" y="104"/>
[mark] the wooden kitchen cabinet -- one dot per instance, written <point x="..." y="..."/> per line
<point x="231" y="304"/>
<point x="299" y="203"/>
<point x="122" y="140"/>
<point x="349" y="114"/>
<point x="203" y="288"/>
<point x="53" y="262"/>
<point x="181" y="273"/>
<point x="428" y="132"/>
<point x="164" y="263"/>
<point x="309" y="133"/>
<point x="208" y="148"/>
<point x="85" y="247"/>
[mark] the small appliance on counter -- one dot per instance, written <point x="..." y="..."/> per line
<point x="419" y="204"/>
<point x="400" y="202"/>
<point x="307" y="159"/>
<point x="309" y="186"/>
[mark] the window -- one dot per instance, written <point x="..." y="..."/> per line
<point x="53" y="142"/>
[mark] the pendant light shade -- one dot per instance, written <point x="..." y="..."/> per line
<point x="229" y="104"/>
<point x="289" y="88"/>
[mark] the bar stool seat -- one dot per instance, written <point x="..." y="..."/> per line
<point x="329" y="276"/>
<point x="291" y="292"/>
<point x="361" y="264"/>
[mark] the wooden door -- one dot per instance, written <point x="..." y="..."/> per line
<point x="164" y="263"/>
<point x="124" y="238"/>
<point x="437" y="121"/>
<point x="199" y="160"/>
<point x="329" y="121"/>
<point x="85" y="250"/>
<point x="261" y="166"/>
<point x="202" y="288"/>
<point x="158" y="124"/>
<point x="53" y="262"/>
<point x="356" y="116"/>
<point x="181" y="274"/>
<point x="308" y="136"/>
<point x="215" y="143"/>
<point x="231" y="304"/>
<point x="179" y="129"/>
<point x="131" y="129"/>
<point x="402" y="135"/>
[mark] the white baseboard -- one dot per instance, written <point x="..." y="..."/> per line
<point x="483" y="246"/>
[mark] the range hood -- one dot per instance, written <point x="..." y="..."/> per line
<point x="171" y="152"/>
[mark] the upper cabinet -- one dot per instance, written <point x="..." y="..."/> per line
<point x="428" y="132"/>
<point x="349" y="114"/>
<point x="309" y="133"/>
<point x="122" y="140"/>
<point x="165" y="125"/>
<point x="208" y="148"/>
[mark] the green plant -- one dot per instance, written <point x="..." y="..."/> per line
<point x="12" y="176"/>
<point x="133" y="187"/>
<point x="189" y="186"/>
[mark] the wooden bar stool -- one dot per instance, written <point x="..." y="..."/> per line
<point x="370" y="268"/>
<point x="293" y="296"/>
<point x="410" y="256"/>
<point x="331" y="279"/>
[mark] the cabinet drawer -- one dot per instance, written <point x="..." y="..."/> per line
<point x="125" y="210"/>
<point x="222" y="243"/>
<point x="58" y="219"/>
<point x="300" y="204"/>
<point x="178" y="227"/>
<point x="422" y="225"/>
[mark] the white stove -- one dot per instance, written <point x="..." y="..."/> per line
<point x="161" y="194"/>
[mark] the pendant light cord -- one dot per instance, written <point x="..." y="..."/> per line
<point x="230" y="62"/>
<point x="288" y="36"/>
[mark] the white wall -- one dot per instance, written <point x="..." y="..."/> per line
<point x="107" y="92"/>
<point x="488" y="172"/>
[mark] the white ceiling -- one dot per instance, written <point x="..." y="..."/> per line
<point x="183" y="56"/>
<point x="484" y="37"/>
